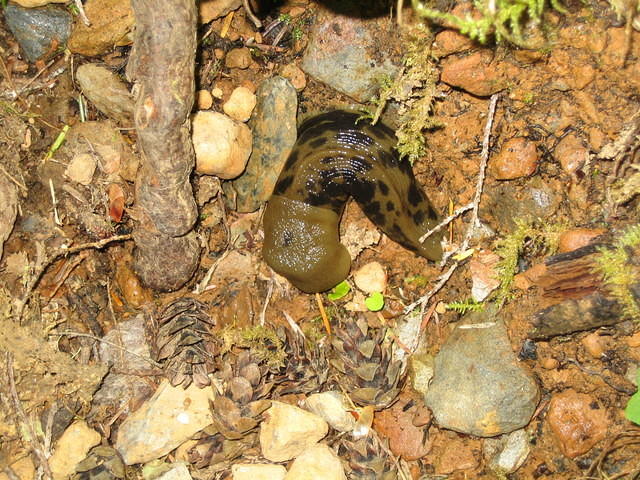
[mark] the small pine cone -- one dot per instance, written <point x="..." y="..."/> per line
<point x="367" y="372"/>
<point x="242" y="387"/>
<point x="306" y="369"/>
<point x="184" y="343"/>
<point x="367" y="459"/>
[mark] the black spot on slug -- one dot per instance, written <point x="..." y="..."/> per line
<point x="418" y="217"/>
<point x="282" y="185"/>
<point x="317" y="142"/>
<point x="390" y="206"/>
<point x="414" y="195"/>
<point x="384" y="188"/>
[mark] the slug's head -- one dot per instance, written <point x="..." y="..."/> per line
<point x="302" y="244"/>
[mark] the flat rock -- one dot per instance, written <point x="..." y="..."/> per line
<point x="169" y="418"/>
<point x="318" y="462"/>
<point x="211" y="9"/>
<point x="107" y="92"/>
<point x="125" y="347"/>
<point x="479" y="388"/>
<point x="474" y="73"/>
<point x="111" y="24"/>
<point x="288" y="431"/>
<point x="351" y="53"/>
<point x="507" y="453"/>
<point x="39" y="31"/>
<point x="71" y="448"/>
<point x="9" y="211"/>
<point x="277" y="103"/>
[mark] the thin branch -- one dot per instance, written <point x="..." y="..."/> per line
<point x="474" y="223"/>
<point x="43" y="262"/>
<point x="446" y="221"/>
<point x="23" y="425"/>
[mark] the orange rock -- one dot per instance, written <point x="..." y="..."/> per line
<point x="397" y="424"/>
<point x="517" y="158"/>
<point x="634" y="340"/>
<point x="458" y="455"/>
<point x="132" y="290"/>
<point x="577" y="420"/>
<point x="474" y="73"/>
<point x="571" y="153"/>
<point x="450" y="41"/>
<point x="549" y="363"/>
<point x="577" y="238"/>
<point x="594" y="345"/>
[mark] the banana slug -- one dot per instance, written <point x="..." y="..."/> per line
<point x="335" y="158"/>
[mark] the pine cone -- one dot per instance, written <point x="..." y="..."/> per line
<point x="306" y="369"/>
<point x="184" y="343"/>
<point x="242" y="386"/>
<point x="364" y="362"/>
<point x="367" y="459"/>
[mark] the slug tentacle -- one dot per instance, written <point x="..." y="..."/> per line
<point x="335" y="158"/>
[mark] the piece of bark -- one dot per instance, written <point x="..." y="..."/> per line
<point x="582" y="301"/>
<point x="162" y="65"/>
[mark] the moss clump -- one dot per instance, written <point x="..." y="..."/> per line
<point x="261" y="341"/>
<point x="536" y="237"/>
<point x="499" y="19"/>
<point x="614" y="264"/>
<point x="415" y="91"/>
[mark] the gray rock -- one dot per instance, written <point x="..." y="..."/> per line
<point x="507" y="202"/>
<point x="38" y="30"/>
<point x="273" y="124"/>
<point x="350" y="53"/>
<point x="106" y="91"/>
<point x="479" y="387"/>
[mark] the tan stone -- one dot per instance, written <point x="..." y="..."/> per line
<point x="241" y="103"/>
<point x="371" y="278"/>
<point x="258" y="471"/>
<point x="318" y="462"/>
<point x="71" y="447"/>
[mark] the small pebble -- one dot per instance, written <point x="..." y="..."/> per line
<point x="222" y="145"/>
<point x="295" y="75"/>
<point x="474" y="73"/>
<point x="240" y="104"/>
<point x="81" y="168"/>
<point x="571" y="154"/>
<point x="517" y="158"/>
<point x="106" y="91"/>
<point x="238" y="58"/>
<point x="371" y="278"/>
<point x="258" y="471"/>
<point x="549" y="363"/>
<point x="332" y="407"/>
<point x="577" y="238"/>
<point x="594" y="345"/>
<point x="204" y="99"/>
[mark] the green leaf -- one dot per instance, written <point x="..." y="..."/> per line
<point x="374" y="302"/>
<point x="339" y="291"/>
<point x="632" y="412"/>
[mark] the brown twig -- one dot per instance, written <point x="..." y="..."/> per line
<point x="323" y="314"/>
<point x="12" y="402"/>
<point x="474" y="223"/>
<point x="247" y="8"/>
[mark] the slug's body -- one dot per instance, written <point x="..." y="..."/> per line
<point x="335" y="158"/>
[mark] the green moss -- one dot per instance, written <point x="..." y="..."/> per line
<point x="415" y="91"/>
<point x="537" y="237"/>
<point x="469" y="305"/>
<point x="499" y="19"/>
<point x="263" y="342"/>
<point x="617" y="273"/>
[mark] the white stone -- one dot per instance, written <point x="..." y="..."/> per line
<point x="222" y="145"/>
<point x="371" y="278"/>
<point x="332" y="407"/>
<point x="288" y="431"/>
<point x="507" y="453"/>
<point x="155" y="429"/>
<point x="204" y="99"/>
<point x="316" y="463"/>
<point x="258" y="471"/>
<point x="241" y="103"/>
<point x="81" y="168"/>
<point x="71" y="448"/>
